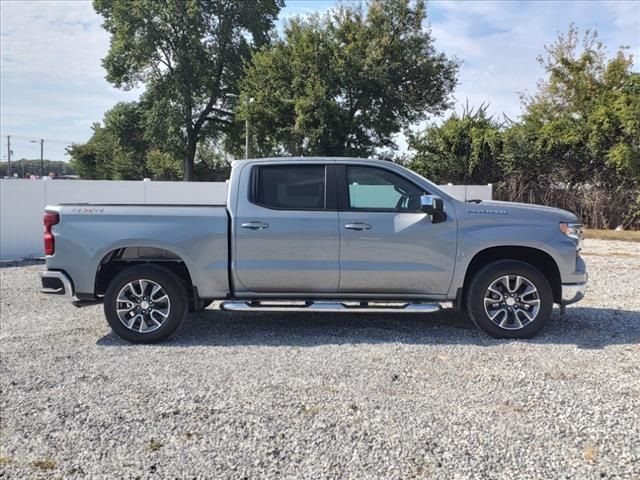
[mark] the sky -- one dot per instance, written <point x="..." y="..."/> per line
<point x="52" y="83"/>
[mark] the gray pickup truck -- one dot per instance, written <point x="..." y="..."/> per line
<point x="316" y="234"/>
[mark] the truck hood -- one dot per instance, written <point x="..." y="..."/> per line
<point x="524" y="209"/>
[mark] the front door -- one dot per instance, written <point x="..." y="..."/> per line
<point x="388" y="245"/>
<point x="286" y="241"/>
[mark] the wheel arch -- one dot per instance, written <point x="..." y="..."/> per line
<point x="535" y="257"/>
<point x="122" y="257"/>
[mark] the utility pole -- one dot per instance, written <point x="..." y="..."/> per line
<point x="42" y="158"/>
<point x="9" y="155"/>
<point x="246" y="141"/>
<point x="246" y="128"/>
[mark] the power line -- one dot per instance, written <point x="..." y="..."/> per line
<point x="41" y="141"/>
<point x="37" y="139"/>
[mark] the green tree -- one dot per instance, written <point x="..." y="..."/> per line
<point x="578" y="143"/>
<point x="211" y="163"/>
<point x="346" y="82"/>
<point x="584" y="120"/>
<point x="163" y="165"/>
<point x="117" y="149"/>
<point x="190" y="52"/>
<point x="94" y="160"/>
<point x="463" y="149"/>
<point x="140" y="139"/>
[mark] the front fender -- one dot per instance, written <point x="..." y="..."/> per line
<point x="476" y="236"/>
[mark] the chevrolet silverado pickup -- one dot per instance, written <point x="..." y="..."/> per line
<point x="316" y="234"/>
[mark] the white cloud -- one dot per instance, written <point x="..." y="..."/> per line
<point x="59" y="39"/>
<point x="53" y="83"/>
<point x="499" y="41"/>
<point x="625" y="14"/>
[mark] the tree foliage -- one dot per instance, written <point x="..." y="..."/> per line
<point x="137" y="140"/>
<point x="586" y="114"/>
<point x="578" y="137"/>
<point x="346" y="82"/>
<point x="116" y="149"/>
<point x="464" y="149"/>
<point x="188" y="53"/>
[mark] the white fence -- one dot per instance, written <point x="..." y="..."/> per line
<point x="22" y="203"/>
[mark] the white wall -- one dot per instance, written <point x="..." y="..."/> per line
<point x="22" y="203"/>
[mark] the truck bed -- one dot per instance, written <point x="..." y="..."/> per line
<point x="100" y="204"/>
<point x="89" y="233"/>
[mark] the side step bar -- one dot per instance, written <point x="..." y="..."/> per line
<point x="328" y="306"/>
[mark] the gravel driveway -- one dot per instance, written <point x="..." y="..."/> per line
<point x="324" y="396"/>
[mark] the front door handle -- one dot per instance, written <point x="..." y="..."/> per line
<point x="255" y="225"/>
<point x="357" y="226"/>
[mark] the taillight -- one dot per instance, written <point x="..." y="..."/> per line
<point x="50" y="219"/>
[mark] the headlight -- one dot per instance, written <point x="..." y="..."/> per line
<point x="574" y="231"/>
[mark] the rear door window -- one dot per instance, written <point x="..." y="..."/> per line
<point x="295" y="187"/>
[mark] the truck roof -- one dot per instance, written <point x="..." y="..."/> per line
<point x="310" y="159"/>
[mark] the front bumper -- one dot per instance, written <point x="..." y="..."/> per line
<point x="573" y="292"/>
<point x="54" y="282"/>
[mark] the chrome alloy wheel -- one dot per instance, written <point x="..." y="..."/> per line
<point x="142" y="305"/>
<point x="512" y="302"/>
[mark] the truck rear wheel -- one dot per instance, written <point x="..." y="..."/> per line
<point x="509" y="299"/>
<point x="145" y="303"/>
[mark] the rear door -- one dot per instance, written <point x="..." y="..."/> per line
<point x="286" y="231"/>
<point x="388" y="245"/>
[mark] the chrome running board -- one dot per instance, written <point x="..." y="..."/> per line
<point x="327" y="306"/>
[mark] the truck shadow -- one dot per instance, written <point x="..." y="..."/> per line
<point x="584" y="327"/>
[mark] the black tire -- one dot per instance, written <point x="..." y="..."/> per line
<point x="479" y="287"/>
<point x="174" y="289"/>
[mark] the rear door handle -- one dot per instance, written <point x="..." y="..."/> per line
<point x="255" y="225"/>
<point x="357" y="226"/>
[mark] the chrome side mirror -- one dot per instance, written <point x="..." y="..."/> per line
<point x="434" y="206"/>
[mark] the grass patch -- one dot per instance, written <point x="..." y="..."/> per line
<point x="5" y="460"/>
<point x="625" y="236"/>
<point x="562" y="376"/>
<point x="590" y="453"/>
<point x="154" y="445"/>
<point x="312" y="410"/>
<point x="329" y="389"/>
<point x="45" y="464"/>
<point x="509" y="407"/>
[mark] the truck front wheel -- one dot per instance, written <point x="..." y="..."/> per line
<point x="509" y="299"/>
<point x="145" y="303"/>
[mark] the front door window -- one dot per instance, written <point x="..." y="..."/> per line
<point x="376" y="189"/>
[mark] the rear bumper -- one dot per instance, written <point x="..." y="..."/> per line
<point x="55" y="282"/>
<point x="573" y="292"/>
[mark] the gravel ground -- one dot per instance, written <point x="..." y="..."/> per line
<point x="324" y="396"/>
